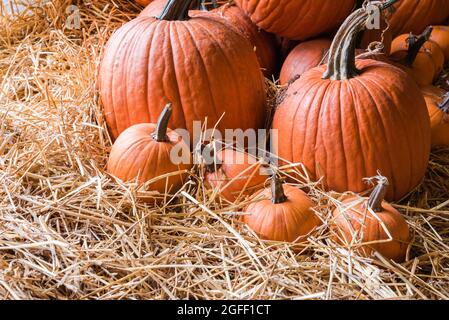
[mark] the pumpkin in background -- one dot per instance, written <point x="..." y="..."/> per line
<point x="440" y="35"/>
<point x="282" y="213"/>
<point x="382" y="35"/>
<point x="415" y="15"/>
<point x="371" y="224"/>
<point x="349" y="119"/>
<point x="144" y="2"/>
<point x="199" y="64"/>
<point x="264" y="43"/>
<point x="430" y="49"/>
<point x="303" y="57"/>
<point x="297" y="19"/>
<point x="438" y="108"/>
<point x="233" y="174"/>
<point x="142" y="152"/>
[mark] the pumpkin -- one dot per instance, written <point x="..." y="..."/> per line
<point x="429" y="56"/>
<point x="415" y="15"/>
<point x="303" y="57"/>
<point x="371" y="224"/>
<point x="264" y="43"/>
<point x="440" y="35"/>
<point x="297" y="19"/>
<point x="438" y="108"/>
<point x="199" y="64"/>
<point x="282" y="213"/>
<point x="144" y="2"/>
<point x="233" y="174"/>
<point x="348" y="119"/>
<point x="143" y="152"/>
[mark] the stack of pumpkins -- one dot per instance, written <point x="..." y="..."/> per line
<point x="361" y="113"/>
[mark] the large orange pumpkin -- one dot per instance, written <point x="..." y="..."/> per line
<point x="415" y="15"/>
<point x="264" y="43"/>
<point x="297" y="19"/>
<point x="349" y="119"/>
<point x="143" y="152"/>
<point x="199" y="64"/>
<point x="440" y="35"/>
<point x="283" y="213"/>
<point x="234" y="174"/>
<point x="303" y="57"/>
<point x="371" y="224"/>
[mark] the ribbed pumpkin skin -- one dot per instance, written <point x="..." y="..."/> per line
<point x="415" y="15"/>
<point x="358" y="219"/>
<point x="303" y="57"/>
<point x="348" y="130"/>
<point x="144" y="2"/>
<point x="440" y="35"/>
<point x="136" y="154"/>
<point x="297" y="19"/>
<point x="286" y="222"/>
<point x="239" y="175"/>
<point x="201" y="66"/>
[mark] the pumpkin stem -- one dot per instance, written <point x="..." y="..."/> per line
<point x="415" y="44"/>
<point x="160" y="135"/>
<point x="277" y="190"/>
<point x="378" y="195"/>
<point x="341" y="63"/>
<point x="178" y="10"/>
<point x="444" y="106"/>
<point x="206" y="3"/>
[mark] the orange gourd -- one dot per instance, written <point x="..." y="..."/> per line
<point x="438" y="108"/>
<point x="143" y="153"/>
<point x="440" y="35"/>
<point x="371" y="224"/>
<point x="297" y="19"/>
<point x="233" y="174"/>
<point x="303" y="57"/>
<point x="199" y="64"/>
<point x="283" y="213"/>
<point x="348" y="119"/>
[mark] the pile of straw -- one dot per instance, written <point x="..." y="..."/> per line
<point x="70" y="231"/>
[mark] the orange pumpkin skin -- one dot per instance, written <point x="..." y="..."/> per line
<point x="439" y="116"/>
<point x="201" y="66"/>
<point x="423" y="69"/>
<point x="238" y="176"/>
<point x="297" y="19"/>
<point x="359" y="223"/>
<point x="144" y="2"/>
<point x="290" y="221"/>
<point x="415" y="15"/>
<point x="346" y="130"/>
<point x="264" y="43"/>
<point x="136" y="154"/>
<point x="440" y="35"/>
<point x="430" y="48"/>
<point x="303" y="57"/>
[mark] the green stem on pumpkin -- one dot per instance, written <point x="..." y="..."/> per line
<point x="378" y="195"/>
<point x="444" y="106"/>
<point x="178" y="10"/>
<point x="277" y="190"/>
<point x="415" y="44"/>
<point x="160" y="135"/>
<point x="341" y="63"/>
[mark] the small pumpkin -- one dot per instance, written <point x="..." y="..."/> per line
<point x="143" y="152"/>
<point x="199" y="64"/>
<point x="348" y="119"/>
<point x="283" y="213"/>
<point x="439" y="120"/>
<point x="233" y="174"/>
<point x="303" y="57"/>
<point x="429" y="48"/>
<point x="297" y="19"/>
<point x="440" y="35"/>
<point x="371" y="224"/>
<point x="415" y="15"/>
